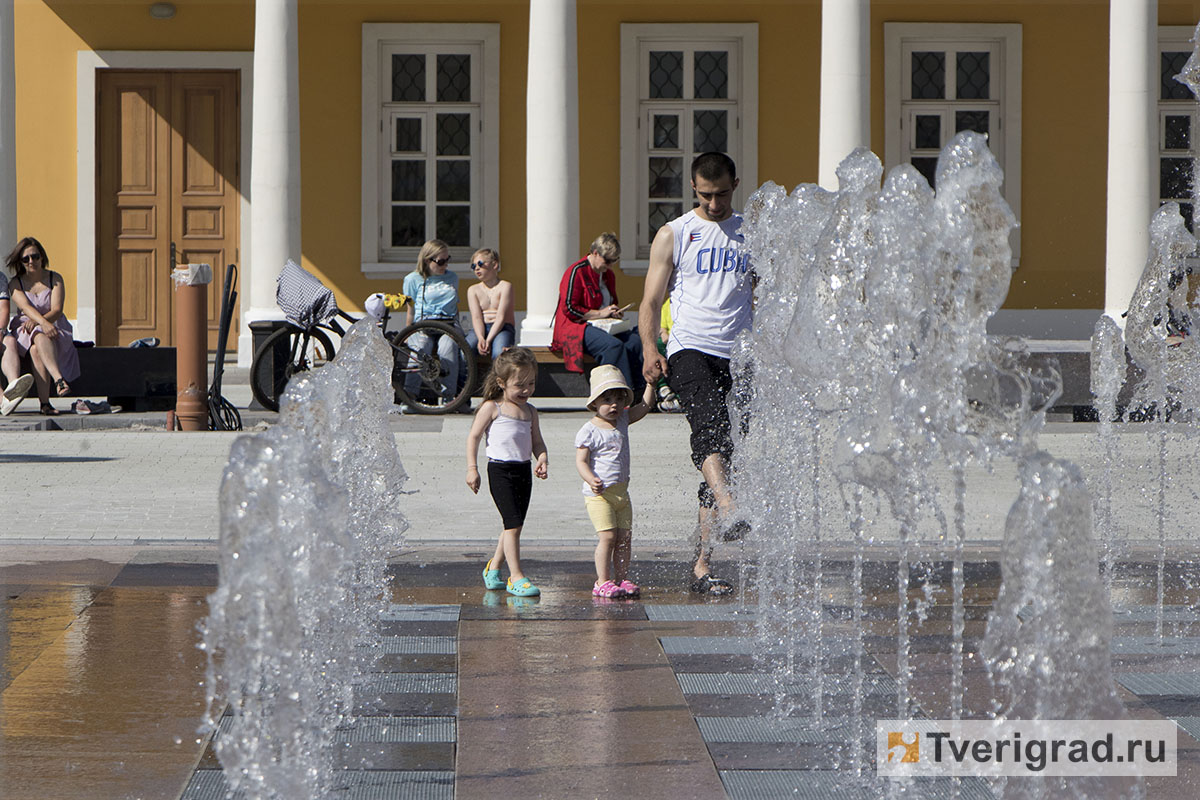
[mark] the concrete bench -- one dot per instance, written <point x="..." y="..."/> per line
<point x="134" y="378"/>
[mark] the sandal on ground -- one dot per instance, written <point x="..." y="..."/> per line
<point x="630" y="588"/>
<point x="522" y="588"/>
<point x="15" y="393"/>
<point x="61" y="387"/>
<point x="711" y="585"/>
<point x="491" y="577"/>
<point x="607" y="589"/>
<point x="735" y="531"/>
<point x="49" y="410"/>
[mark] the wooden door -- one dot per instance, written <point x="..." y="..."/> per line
<point x="168" y="172"/>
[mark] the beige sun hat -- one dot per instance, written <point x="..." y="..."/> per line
<point x="605" y="377"/>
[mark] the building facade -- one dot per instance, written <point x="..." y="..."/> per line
<point x="344" y="134"/>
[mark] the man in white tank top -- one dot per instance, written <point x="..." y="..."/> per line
<point x="701" y="261"/>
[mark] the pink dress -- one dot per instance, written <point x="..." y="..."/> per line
<point x="68" y="359"/>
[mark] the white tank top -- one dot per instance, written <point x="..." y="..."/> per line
<point x="509" y="439"/>
<point x="710" y="288"/>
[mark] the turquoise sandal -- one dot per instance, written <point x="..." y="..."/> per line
<point x="523" y="588"/>
<point x="491" y="577"/>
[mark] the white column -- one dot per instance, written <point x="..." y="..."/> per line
<point x="8" y="130"/>
<point x="551" y="162"/>
<point x="1132" y="147"/>
<point x="275" y="153"/>
<point x="845" y="84"/>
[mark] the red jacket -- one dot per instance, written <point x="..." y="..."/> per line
<point x="578" y="292"/>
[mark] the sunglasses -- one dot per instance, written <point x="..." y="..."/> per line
<point x="29" y="259"/>
<point x="483" y="263"/>
<point x="441" y="262"/>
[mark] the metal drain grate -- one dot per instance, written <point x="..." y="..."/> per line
<point x="1191" y="725"/>
<point x="803" y="730"/>
<point x="707" y="645"/>
<point x="761" y="683"/>
<point x="417" y="645"/>
<point x="699" y="613"/>
<point x="1151" y="684"/>
<point x="1150" y="614"/>
<point x="420" y="613"/>
<point x="399" y="729"/>
<point x="410" y="683"/>
<point x="1150" y="645"/>
<point x="752" y="784"/>
<point x="209" y="784"/>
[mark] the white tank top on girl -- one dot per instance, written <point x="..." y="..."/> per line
<point x="710" y="288"/>
<point x="509" y="439"/>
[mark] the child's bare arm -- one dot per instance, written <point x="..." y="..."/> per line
<point x="585" y="470"/>
<point x="642" y="407"/>
<point x="476" y="313"/>
<point x="504" y="309"/>
<point x="483" y="418"/>
<point x="542" y="467"/>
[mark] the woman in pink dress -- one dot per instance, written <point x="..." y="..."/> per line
<point x="40" y="326"/>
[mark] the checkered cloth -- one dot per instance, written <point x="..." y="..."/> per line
<point x="304" y="299"/>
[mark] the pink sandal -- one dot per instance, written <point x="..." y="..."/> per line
<point x="608" y="589"/>
<point x="629" y="588"/>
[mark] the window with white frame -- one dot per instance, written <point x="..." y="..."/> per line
<point x="685" y="90"/>
<point x="1176" y="122"/>
<point x="430" y="152"/>
<point x="945" y="78"/>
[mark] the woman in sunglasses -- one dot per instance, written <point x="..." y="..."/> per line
<point x="434" y="292"/>
<point x="40" y="327"/>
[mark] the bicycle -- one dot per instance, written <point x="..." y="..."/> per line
<point x="419" y="379"/>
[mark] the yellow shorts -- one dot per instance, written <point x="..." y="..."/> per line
<point x="611" y="508"/>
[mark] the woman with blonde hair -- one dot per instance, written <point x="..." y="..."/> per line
<point x="433" y="289"/>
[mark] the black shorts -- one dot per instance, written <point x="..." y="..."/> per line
<point x="511" y="484"/>
<point x="703" y="383"/>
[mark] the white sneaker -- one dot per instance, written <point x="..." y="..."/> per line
<point x="15" y="393"/>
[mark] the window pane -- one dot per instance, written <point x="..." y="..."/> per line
<point x="408" y="78"/>
<point x="454" y="180"/>
<point x="408" y="180"/>
<point x="1178" y="132"/>
<point x="666" y="74"/>
<point x="927" y="167"/>
<point x="712" y="74"/>
<point x="1171" y="65"/>
<point x="408" y="135"/>
<point x="454" y="79"/>
<point x="974" y="75"/>
<point x="971" y="121"/>
<point x="666" y="131"/>
<point x="666" y="177"/>
<point x="454" y="134"/>
<point x="928" y="133"/>
<point x="408" y="226"/>
<point x="661" y="214"/>
<point x="710" y="131"/>
<point x="454" y="225"/>
<point x="928" y="76"/>
<point x="1185" y="210"/>
<point x="1175" y="178"/>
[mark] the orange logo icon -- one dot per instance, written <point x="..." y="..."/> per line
<point x="902" y="751"/>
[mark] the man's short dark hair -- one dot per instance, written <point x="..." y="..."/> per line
<point x="713" y="166"/>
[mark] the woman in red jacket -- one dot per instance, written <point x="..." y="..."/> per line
<point x="589" y="292"/>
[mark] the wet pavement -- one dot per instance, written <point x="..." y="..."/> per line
<point x="483" y="694"/>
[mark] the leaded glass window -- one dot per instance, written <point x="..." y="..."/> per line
<point x="433" y="148"/>
<point x="947" y="88"/>
<point x="1176" y="123"/>
<point x="689" y="106"/>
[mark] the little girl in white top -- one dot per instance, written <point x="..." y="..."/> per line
<point x="514" y="439"/>
<point x="602" y="458"/>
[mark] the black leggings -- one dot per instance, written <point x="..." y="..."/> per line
<point x="511" y="484"/>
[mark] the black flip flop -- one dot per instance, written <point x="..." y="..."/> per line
<point x="711" y="585"/>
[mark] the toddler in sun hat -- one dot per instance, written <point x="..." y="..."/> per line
<point x="602" y="458"/>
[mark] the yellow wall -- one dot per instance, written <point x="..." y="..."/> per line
<point x="1063" y="133"/>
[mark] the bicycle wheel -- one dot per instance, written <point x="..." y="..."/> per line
<point x="421" y="376"/>
<point x="299" y="351"/>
